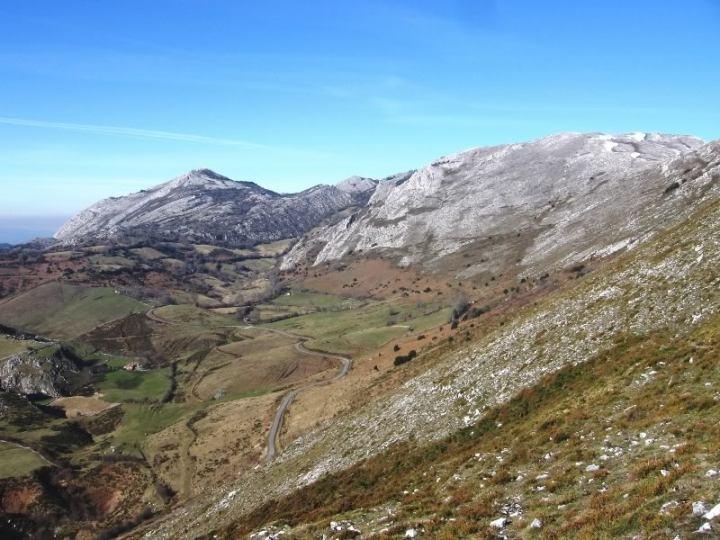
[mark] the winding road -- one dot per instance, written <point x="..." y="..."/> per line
<point x="289" y="397"/>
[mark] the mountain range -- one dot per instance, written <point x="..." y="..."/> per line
<point x="584" y="414"/>
<point x="203" y="206"/>
<point x="550" y="202"/>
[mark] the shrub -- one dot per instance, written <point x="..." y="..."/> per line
<point x="460" y="307"/>
<point x="672" y="187"/>
<point x="404" y="358"/>
<point x="475" y="312"/>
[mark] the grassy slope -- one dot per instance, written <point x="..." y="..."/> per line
<point x="65" y="311"/>
<point x="16" y="461"/>
<point x="121" y="385"/>
<point x="315" y="300"/>
<point x="189" y="330"/>
<point x="659" y="303"/>
<point x="12" y="346"/>
<point x="185" y="314"/>
<point x="141" y="420"/>
<point x="636" y="410"/>
<point x="360" y="329"/>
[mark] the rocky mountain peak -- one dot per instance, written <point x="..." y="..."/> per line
<point x="357" y="184"/>
<point x="208" y="179"/>
<point x="531" y="204"/>
<point x="566" y="184"/>
<point x="205" y="206"/>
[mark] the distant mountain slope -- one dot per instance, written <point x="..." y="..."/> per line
<point x="358" y="186"/>
<point x="554" y="200"/>
<point x="203" y="206"/>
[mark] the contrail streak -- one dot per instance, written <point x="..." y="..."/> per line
<point x="130" y="132"/>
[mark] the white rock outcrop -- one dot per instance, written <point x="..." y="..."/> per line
<point x="558" y="199"/>
<point x="203" y="206"/>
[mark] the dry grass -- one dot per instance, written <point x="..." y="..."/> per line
<point x="461" y="483"/>
<point x="81" y="405"/>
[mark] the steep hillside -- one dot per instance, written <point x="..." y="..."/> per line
<point x="668" y="287"/>
<point x="553" y="201"/>
<point x="623" y="444"/>
<point x="64" y="311"/>
<point x="203" y="206"/>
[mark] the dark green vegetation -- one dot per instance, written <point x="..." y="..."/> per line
<point x="404" y="358"/>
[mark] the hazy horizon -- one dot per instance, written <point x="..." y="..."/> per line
<point x="18" y="229"/>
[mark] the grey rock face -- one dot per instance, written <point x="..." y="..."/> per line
<point x="203" y="206"/>
<point x="357" y="184"/>
<point x="31" y="372"/>
<point x="550" y="201"/>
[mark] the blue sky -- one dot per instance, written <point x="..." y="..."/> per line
<point x="102" y="98"/>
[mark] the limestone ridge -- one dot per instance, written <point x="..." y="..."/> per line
<point x="551" y="201"/>
<point x="669" y="283"/>
<point x="203" y="206"/>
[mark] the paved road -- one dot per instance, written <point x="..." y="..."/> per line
<point x="345" y="363"/>
<point x="287" y="399"/>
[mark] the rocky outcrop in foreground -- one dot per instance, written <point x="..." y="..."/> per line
<point x="49" y="371"/>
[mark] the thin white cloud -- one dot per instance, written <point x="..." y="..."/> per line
<point x="135" y="133"/>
